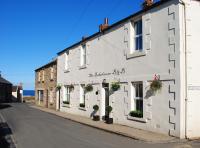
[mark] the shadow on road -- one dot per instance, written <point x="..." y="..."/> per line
<point x="5" y="138"/>
<point x="4" y="106"/>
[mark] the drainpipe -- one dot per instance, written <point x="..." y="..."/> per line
<point x="186" y="93"/>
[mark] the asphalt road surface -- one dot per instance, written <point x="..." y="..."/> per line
<point x="32" y="128"/>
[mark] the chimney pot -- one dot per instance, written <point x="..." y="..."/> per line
<point x="104" y="26"/>
<point x="147" y="3"/>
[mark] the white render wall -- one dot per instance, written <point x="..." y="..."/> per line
<point x="161" y="42"/>
<point x="193" y="72"/>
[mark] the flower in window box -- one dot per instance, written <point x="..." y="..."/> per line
<point x="82" y="105"/>
<point x="137" y="114"/>
<point x="65" y="102"/>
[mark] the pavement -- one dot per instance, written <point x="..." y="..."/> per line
<point x="113" y="128"/>
<point x="33" y="128"/>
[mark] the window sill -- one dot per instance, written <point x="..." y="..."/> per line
<point x="66" y="105"/>
<point x="135" y="54"/>
<point x="66" y="71"/>
<point x="137" y="119"/>
<point x="82" y="108"/>
<point x="83" y="67"/>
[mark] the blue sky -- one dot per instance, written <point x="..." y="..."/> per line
<point x="33" y="31"/>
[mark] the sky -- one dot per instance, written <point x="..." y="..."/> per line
<point x="32" y="32"/>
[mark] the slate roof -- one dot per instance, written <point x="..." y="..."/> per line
<point x="157" y="4"/>
<point x="4" y="81"/>
<point x="46" y="65"/>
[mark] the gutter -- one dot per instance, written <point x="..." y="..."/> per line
<point x="186" y="74"/>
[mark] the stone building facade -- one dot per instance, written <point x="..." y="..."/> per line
<point x="45" y="85"/>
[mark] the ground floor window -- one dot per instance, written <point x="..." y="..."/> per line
<point x="137" y="98"/>
<point x="82" y="95"/>
<point x="51" y="96"/>
<point x="40" y="95"/>
<point x="66" y="97"/>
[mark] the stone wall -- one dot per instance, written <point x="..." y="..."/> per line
<point x="48" y="85"/>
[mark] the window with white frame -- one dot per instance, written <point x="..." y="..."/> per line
<point x="82" y="94"/>
<point x="43" y="75"/>
<point x="138" y="38"/>
<point x="66" y="97"/>
<point x="51" y="75"/>
<point x="83" y="55"/>
<point x="40" y="95"/>
<point x="66" y="60"/>
<point x="137" y="96"/>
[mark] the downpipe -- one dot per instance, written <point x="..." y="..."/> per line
<point x="185" y="46"/>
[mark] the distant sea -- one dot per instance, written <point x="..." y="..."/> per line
<point x="28" y="93"/>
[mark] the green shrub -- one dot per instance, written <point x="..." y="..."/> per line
<point x="109" y="109"/>
<point x="82" y="105"/>
<point x="96" y="107"/>
<point x="88" y="88"/>
<point x="115" y="86"/>
<point x="138" y="114"/>
<point x="65" y="102"/>
<point x="156" y="85"/>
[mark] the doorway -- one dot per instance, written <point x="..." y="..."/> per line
<point x="105" y="100"/>
<point x="47" y="98"/>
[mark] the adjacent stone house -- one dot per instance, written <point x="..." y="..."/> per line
<point x="17" y="93"/>
<point x="157" y="44"/>
<point x="5" y="90"/>
<point x="45" y="85"/>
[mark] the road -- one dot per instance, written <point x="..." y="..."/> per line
<point x="32" y="128"/>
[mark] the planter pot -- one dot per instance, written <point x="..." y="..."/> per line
<point x="106" y="117"/>
<point x="96" y="118"/>
<point x="109" y="121"/>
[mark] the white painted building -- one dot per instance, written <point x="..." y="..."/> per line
<point x="161" y="40"/>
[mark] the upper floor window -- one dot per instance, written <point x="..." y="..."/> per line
<point x="39" y="76"/>
<point x="66" y="60"/>
<point x="138" y="38"/>
<point x="52" y="72"/>
<point x="43" y="75"/>
<point x="83" y="55"/>
<point x="137" y="96"/>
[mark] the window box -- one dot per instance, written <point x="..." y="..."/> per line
<point x="82" y="105"/>
<point x="83" y="66"/>
<point x="137" y="119"/>
<point x="66" y="70"/>
<point x="66" y="102"/>
<point x="136" y="54"/>
<point x="82" y="108"/>
<point x="137" y="114"/>
<point x="67" y="105"/>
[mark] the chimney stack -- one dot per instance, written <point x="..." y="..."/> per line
<point x="147" y="3"/>
<point x="104" y="26"/>
<point x="83" y="38"/>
